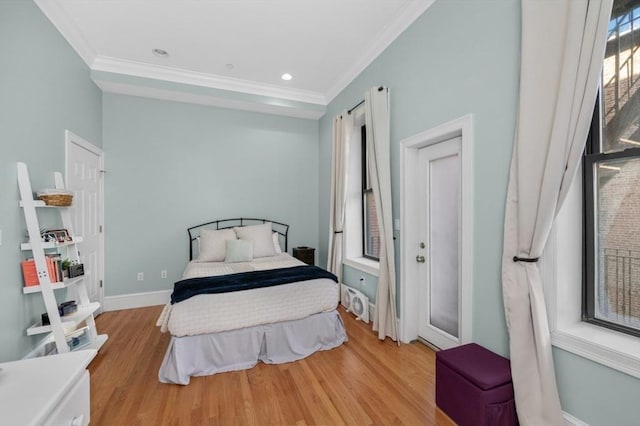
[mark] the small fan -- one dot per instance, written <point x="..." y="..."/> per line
<point x="346" y="298"/>
<point x="357" y="306"/>
<point x="356" y="302"/>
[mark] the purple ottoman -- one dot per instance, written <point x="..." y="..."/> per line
<point x="473" y="386"/>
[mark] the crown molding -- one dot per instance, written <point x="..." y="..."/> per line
<point x="59" y="18"/>
<point x="56" y="14"/>
<point x="208" y="100"/>
<point x="175" y="75"/>
<point x="411" y="12"/>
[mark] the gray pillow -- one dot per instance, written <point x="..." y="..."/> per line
<point x="239" y="251"/>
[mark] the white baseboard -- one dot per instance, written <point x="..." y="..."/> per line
<point x="137" y="300"/>
<point x="569" y="420"/>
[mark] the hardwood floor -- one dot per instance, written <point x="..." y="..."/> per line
<point x="363" y="382"/>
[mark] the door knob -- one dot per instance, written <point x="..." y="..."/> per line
<point x="420" y="259"/>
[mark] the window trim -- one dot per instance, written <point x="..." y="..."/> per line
<point x="363" y="264"/>
<point x="562" y="270"/>
<point x="588" y="298"/>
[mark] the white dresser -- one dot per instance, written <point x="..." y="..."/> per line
<point x="51" y="390"/>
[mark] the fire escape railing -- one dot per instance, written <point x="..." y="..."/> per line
<point x="625" y="26"/>
<point x="622" y="279"/>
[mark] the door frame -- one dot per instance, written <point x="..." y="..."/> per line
<point x="409" y="221"/>
<point x="72" y="138"/>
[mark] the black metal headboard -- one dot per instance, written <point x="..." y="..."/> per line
<point x="194" y="232"/>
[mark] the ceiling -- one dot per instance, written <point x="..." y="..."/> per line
<point x="239" y="45"/>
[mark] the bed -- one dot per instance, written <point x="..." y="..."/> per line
<point x="279" y="310"/>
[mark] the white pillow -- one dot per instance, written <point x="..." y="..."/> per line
<point x="276" y="243"/>
<point x="239" y="251"/>
<point x="261" y="237"/>
<point x="213" y="244"/>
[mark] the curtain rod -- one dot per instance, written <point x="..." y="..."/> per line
<point x="380" y="89"/>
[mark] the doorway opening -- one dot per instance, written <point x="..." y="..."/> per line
<point x="436" y="284"/>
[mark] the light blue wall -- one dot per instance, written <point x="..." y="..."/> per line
<point x="463" y="57"/>
<point x="44" y="89"/>
<point x="458" y="58"/>
<point x="351" y="277"/>
<point x="596" y="394"/>
<point x="172" y="165"/>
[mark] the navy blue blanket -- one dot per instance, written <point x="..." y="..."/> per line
<point x="183" y="290"/>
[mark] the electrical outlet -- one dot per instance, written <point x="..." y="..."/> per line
<point x="362" y="282"/>
<point x="140" y="276"/>
<point x="163" y="273"/>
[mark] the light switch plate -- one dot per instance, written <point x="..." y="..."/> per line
<point x="396" y="224"/>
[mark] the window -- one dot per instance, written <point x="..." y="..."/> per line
<point x="361" y="236"/>
<point x="612" y="183"/>
<point x="370" y="230"/>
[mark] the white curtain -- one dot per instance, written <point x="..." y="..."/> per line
<point x="342" y="130"/>
<point x="561" y="57"/>
<point x="376" y="105"/>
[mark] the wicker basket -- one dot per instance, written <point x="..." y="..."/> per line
<point x="58" y="199"/>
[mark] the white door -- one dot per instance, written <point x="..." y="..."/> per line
<point x="84" y="178"/>
<point x="438" y="251"/>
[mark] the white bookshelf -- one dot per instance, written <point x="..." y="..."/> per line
<point x="56" y="286"/>
<point x="51" y="245"/>
<point x="60" y="327"/>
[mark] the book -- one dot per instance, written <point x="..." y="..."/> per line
<point x="51" y="271"/>
<point x="57" y="267"/>
<point x="29" y="273"/>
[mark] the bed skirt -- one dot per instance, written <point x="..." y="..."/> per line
<point x="286" y="341"/>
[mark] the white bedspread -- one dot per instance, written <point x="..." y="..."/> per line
<point x="208" y="313"/>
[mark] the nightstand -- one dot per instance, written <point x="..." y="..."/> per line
<point x="305" y="254"/>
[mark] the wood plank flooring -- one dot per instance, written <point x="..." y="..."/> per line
<point x="363" y="382"/>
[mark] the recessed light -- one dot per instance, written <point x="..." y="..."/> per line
<point x="286" y="76"/>
<point x="160" y="52"/>
<point x="229" y="66"/>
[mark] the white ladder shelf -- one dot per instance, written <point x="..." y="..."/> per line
<point x="59" y="326"/>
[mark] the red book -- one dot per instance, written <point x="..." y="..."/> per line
<point x="51" y="270"/>
<point x="29" y="273"/>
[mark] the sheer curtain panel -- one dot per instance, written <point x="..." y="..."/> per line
<point x="376" y="105"/>
<point x="562" y="49"/>
<point x="342" y="130"/>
